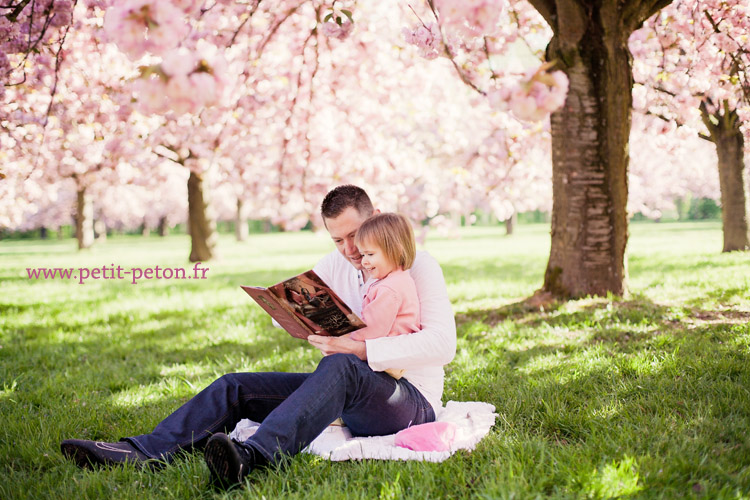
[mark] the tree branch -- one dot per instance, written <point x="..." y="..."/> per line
<point x="58" y="63"/>
<point x="242" y="24"/>
<point x="706" y="116"/>
<point x="287" y="123"/>
<point x="273" y="30"/>
<point x="17" y="9"/>
<point x="450" y="54"/>
<point x="548" y="10"/>
<point x="641" y="10"/>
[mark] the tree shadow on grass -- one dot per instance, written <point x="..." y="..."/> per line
<point x="614" y="380"/>
<point x="722" y="296"/>
<point x="585" y="313"/>
<point x="115" y="380"/>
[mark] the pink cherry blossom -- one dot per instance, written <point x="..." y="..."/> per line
<point x="140" y="26"/>
<point x="537" y="95"/>
<point x="471" y="17"/>
<point x="331" y="29"/>
<point x="426" y="38"/>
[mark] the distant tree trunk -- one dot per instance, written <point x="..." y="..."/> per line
<point x="100" y="231"/>
<point x="240" y="226"/>
<point x="682" y="204"/>
<point x="590" y="135"/>
<point x="163" y="227"/>
<point x="468" y="219"/>
<point x="510" y="224"/>
<point x="145" y="230"/>
<point x="84" y="220"/>
<point x="456" y="219"/>
<point x="723" y="125"/>
<point x="43" y="233"/>
<point x="201" y="224"/>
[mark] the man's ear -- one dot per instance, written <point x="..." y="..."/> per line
<point x="376" y="211"/>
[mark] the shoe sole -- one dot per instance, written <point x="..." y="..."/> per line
<point x="223" y="461"/>
<point x="80" y="456"/>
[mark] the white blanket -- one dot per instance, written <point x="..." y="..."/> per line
<point x="473" y="422"/>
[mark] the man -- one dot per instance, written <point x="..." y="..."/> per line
<point x="294" y="408"/>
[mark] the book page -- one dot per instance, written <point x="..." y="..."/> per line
<point x="314" y="303"/>
<point x="280" y="312"/>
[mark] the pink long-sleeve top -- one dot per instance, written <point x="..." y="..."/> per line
<point x="390" y="307"/>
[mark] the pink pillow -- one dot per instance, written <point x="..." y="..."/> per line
<point x="434" y="436"/>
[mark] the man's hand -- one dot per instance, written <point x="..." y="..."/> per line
<point x="343" y="344"/>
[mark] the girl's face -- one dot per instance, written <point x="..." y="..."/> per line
<point x="375" y="261"/>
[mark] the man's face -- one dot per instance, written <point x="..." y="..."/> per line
<point x="342" y="230"/>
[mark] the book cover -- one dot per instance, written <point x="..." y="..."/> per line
<point x="304" y="305"/>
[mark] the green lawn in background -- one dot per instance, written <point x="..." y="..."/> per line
<point x="642" y="397"/>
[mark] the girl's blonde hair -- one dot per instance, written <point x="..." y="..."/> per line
<point x="393" y="234"/>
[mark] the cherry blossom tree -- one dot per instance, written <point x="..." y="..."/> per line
<point x="669" y="163"/>
<point x="32" y="37"/>
<point x="692" y="69"/>
<point x="273" y="99"/>
<point x="589" y="133"/>
<point x="75" y="138"/>
<point x="305" y="112"/>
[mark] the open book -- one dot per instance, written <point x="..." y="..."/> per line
<point x="304" y="305"/>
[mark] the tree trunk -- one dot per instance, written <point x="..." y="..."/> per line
<point x="202" y="225"/>
<point x="590" y="157"/>
<point x="510" y="224"/>
<point x="456" y="219"/>
<point x="590" y="142"/>
<point x="163" y="227"/>
<point x="100" y="231"/>
<point x="43" y="233"/>
<point x="84" y="220"/>
<point x="725" y="133"/>
<point x="682" y="204"/>
<point x="241" y="228"/>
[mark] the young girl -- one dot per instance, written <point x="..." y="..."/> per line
<point x="391" y="305"/>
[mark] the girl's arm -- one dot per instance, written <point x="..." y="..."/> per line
<point x="379" y="314"/>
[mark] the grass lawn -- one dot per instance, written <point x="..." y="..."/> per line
<point x="642" y="397"/>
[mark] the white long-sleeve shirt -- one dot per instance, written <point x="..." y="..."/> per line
<point x="422" y="354"/>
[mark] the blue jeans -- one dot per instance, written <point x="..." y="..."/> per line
<point x="293" y="408"/>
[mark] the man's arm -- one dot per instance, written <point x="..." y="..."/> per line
<point x="339" y="345"/>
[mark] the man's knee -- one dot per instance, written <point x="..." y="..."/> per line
<point x="227" y="381"/>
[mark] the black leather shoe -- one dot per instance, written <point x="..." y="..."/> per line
<point x="229" y="462"/>
<point x="87" y="454"/>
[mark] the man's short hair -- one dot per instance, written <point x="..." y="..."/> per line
<point x="342" y="197"/>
